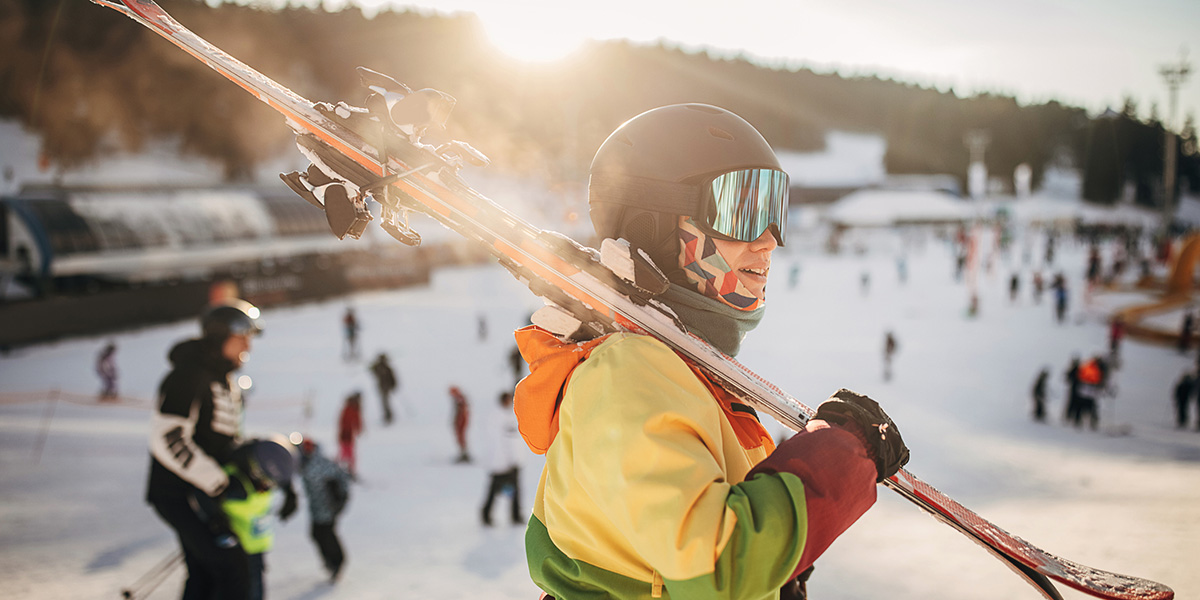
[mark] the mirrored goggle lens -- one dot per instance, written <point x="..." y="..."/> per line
<point x="745" y="203"/>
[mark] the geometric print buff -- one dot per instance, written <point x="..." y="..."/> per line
<point x="707" y="270"/>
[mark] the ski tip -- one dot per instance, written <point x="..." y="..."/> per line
<point x="1112" y="586"/>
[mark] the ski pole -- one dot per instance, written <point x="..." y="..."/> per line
<point x="153" y="578"/>
<point x="47" y="417"/>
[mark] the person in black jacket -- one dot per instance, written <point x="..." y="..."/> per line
<point x="193" y="434"/>
<point x="1039" y="395"/>
<point x="1184" y="389"/>
<point x="387" y="382"/>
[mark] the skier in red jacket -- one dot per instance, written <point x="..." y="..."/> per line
<point x="462" y="415"/>
<point x="350" y="426"/>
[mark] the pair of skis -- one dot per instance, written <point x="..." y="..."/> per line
<point x="380" y="148"/>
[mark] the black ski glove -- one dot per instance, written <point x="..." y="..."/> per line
<point x="208" y="510"/>
<point x="879" y="433"/>
<point x="797" y="588"/>
<point x="289" y="502"/>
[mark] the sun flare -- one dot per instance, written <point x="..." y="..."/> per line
<point x="527" y="40"/>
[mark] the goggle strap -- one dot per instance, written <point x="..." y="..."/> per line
<point x="667" y="197"/>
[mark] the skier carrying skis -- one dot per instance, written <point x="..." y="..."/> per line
<point x="658" y="482"/>
<point x="192" y="435"/>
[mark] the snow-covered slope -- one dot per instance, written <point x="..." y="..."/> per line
<point x="73" y="523"/>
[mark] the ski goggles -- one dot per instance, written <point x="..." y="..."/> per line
<point x="741" y="205"/>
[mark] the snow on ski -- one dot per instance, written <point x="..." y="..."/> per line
<point x="413" y="176"/>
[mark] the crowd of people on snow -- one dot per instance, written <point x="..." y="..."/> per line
<point x="1088" y="382"/>
<point x="671" y="454"/>
<point x="222" y="494"/>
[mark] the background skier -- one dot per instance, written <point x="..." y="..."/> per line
<point x="1116" y="332"/>
<point x="1092" y="382"/>
<point x="386" y="381"/>
<point x="889" y="352"/>
<point x="462" y="415"/>
<point x="505" y="472"/>
<point x="517" y="364"/>
<point x="192" y="435"/>
<point x="1059" y="286"/>
<point x="106" y="368"/>
<point x="350" y="426"/>
<point x="1186" y="331"/>
<point x="657" y="481"/>
<point x="1071" y="376"/>
<point x="1039" y="395"/>
<point x="1093" y="267"/>
<point x="1184" y="389"/>
<point x="327" y="487"/>
<point x="350" y="329"/>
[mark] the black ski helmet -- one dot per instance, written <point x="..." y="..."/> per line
<point x="654" y="168"/>
<point x="267" y="462"/>
<point x="233" y="317"/>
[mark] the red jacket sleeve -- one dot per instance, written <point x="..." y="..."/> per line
<point x="838" y="477"/>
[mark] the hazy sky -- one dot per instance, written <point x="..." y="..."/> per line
<point x="1090" y="53"/>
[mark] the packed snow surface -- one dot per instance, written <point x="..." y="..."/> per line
<point x="1126" y="498"/>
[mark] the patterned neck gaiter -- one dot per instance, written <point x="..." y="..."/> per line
<point x="707" y="270"/>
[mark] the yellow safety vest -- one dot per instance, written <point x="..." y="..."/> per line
<point x="250" y="517"/>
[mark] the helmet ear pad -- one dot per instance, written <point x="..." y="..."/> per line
<point x="653" y="232"/>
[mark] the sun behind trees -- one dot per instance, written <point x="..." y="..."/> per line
<point x="80" y="77"/>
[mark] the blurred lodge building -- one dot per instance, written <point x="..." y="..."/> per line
<point x="142" y="239"/>
<point x="137" y="240"/>
<point x="851" y="162"/>
<point x="88" y="259"/>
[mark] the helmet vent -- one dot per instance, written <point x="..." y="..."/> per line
<point x="720" y="133"/>
<point x="640" y="229"/>
<point x="624" y="139"/>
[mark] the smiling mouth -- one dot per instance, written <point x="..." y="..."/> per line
<point x="760" y="272"/>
